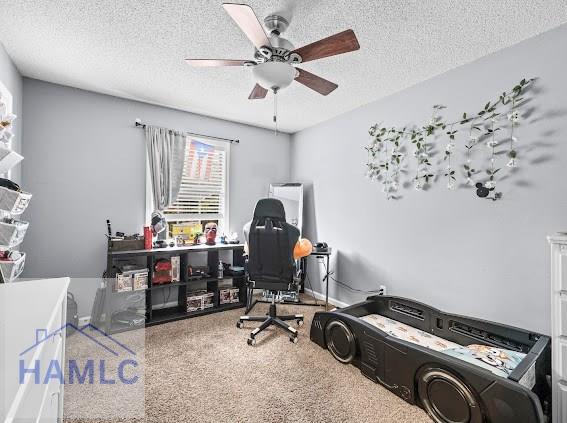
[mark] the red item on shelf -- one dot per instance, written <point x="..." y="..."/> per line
<point x="148" y="237"/>
<point x="161" y="266"/>
<point x="160" y="279"/>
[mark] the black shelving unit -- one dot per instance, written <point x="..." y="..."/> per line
<point x="178" y="312"/>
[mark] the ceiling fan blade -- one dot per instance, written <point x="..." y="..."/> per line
<point x="215" y="62"/>
<point x="340" y="43"/>
<point x="316" y="83"/>
<point x="257" y="93"/>
<point x="245" y="18"/>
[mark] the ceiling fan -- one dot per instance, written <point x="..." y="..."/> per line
<point x="275" y="57"/>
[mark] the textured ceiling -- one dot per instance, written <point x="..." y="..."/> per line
<point x="135" y="48"/>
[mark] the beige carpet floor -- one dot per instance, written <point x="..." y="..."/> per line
<point x="202" y="370"/>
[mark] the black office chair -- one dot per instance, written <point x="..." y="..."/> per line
<point x="270" y="263"/>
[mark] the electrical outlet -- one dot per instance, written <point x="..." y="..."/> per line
<point x="84" y="320"/>
<point x="382" y="290"/>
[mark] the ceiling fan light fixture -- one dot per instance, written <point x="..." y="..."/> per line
<point x="272" y="75"/>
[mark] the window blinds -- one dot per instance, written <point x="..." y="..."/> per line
<point x="204" y="182"/>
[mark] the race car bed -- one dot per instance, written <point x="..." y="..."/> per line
<point x="459" y="369"/>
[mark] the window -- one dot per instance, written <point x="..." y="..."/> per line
<point x="203" y="196"/>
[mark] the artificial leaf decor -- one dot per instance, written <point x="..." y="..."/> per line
<point x="495" y="126"/>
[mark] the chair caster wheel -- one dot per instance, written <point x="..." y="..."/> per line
<point x="299" y="322"/>
<point x="239" y="325"/>
<point x="293" y="339"/>
<point x="251" y="341"/>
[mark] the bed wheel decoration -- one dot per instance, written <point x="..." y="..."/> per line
<point x="340" y="341"/>
<point x="446" y="398"/>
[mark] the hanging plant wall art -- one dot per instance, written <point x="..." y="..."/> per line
<point x="472" y="132"/>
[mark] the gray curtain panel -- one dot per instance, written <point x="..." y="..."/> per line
<point x="166" y="155"/>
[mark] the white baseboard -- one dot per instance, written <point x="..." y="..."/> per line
<point x="320" y="296"/>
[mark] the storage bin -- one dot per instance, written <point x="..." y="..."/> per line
<point x="11" y="269"/>
<point x="8" y="159"/>
<point x="12" y="234"/>
<point x="14" y="202"/>
<point x="125" y="244"/>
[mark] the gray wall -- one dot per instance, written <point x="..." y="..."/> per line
<point x="85" y="162"/>
<point x="11" y="78"/>
<point x="448" y="249"/>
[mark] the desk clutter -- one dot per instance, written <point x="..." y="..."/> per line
<point x="182" y="234"/>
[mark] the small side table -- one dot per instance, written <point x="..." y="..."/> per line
<point x="327" y="255"/>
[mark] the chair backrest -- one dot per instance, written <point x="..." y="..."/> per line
<point x="270" y="243"/>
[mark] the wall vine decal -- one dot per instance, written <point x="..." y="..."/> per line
<point x="387" y="156"/>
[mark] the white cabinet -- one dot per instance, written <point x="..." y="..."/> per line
<point x="561" y="404"/>
<point x="559" y="326"/>
<point x="32" y="336"/>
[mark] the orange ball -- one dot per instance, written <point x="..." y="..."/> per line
<point x="302" y="248"/>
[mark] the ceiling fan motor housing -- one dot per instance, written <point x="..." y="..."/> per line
<point x="281" y="48"/>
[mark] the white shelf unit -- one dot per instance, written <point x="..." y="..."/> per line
<point x="12" y="202"/>
<point x="559" y="327"/>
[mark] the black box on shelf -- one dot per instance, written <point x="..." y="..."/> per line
<point x="197" y="272"/>
<point x="235" y="271"/>
<point x="125" y="244"/>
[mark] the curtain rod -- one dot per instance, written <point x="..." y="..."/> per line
<point x="139" y="124"/>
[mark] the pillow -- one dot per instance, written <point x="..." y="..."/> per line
<point x="498" y="360"/>
<point x="408" y="333"/>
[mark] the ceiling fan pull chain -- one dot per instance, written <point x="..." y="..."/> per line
<point x="275" y="111"/>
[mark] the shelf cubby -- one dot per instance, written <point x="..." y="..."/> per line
<point x="184" y="286"/>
